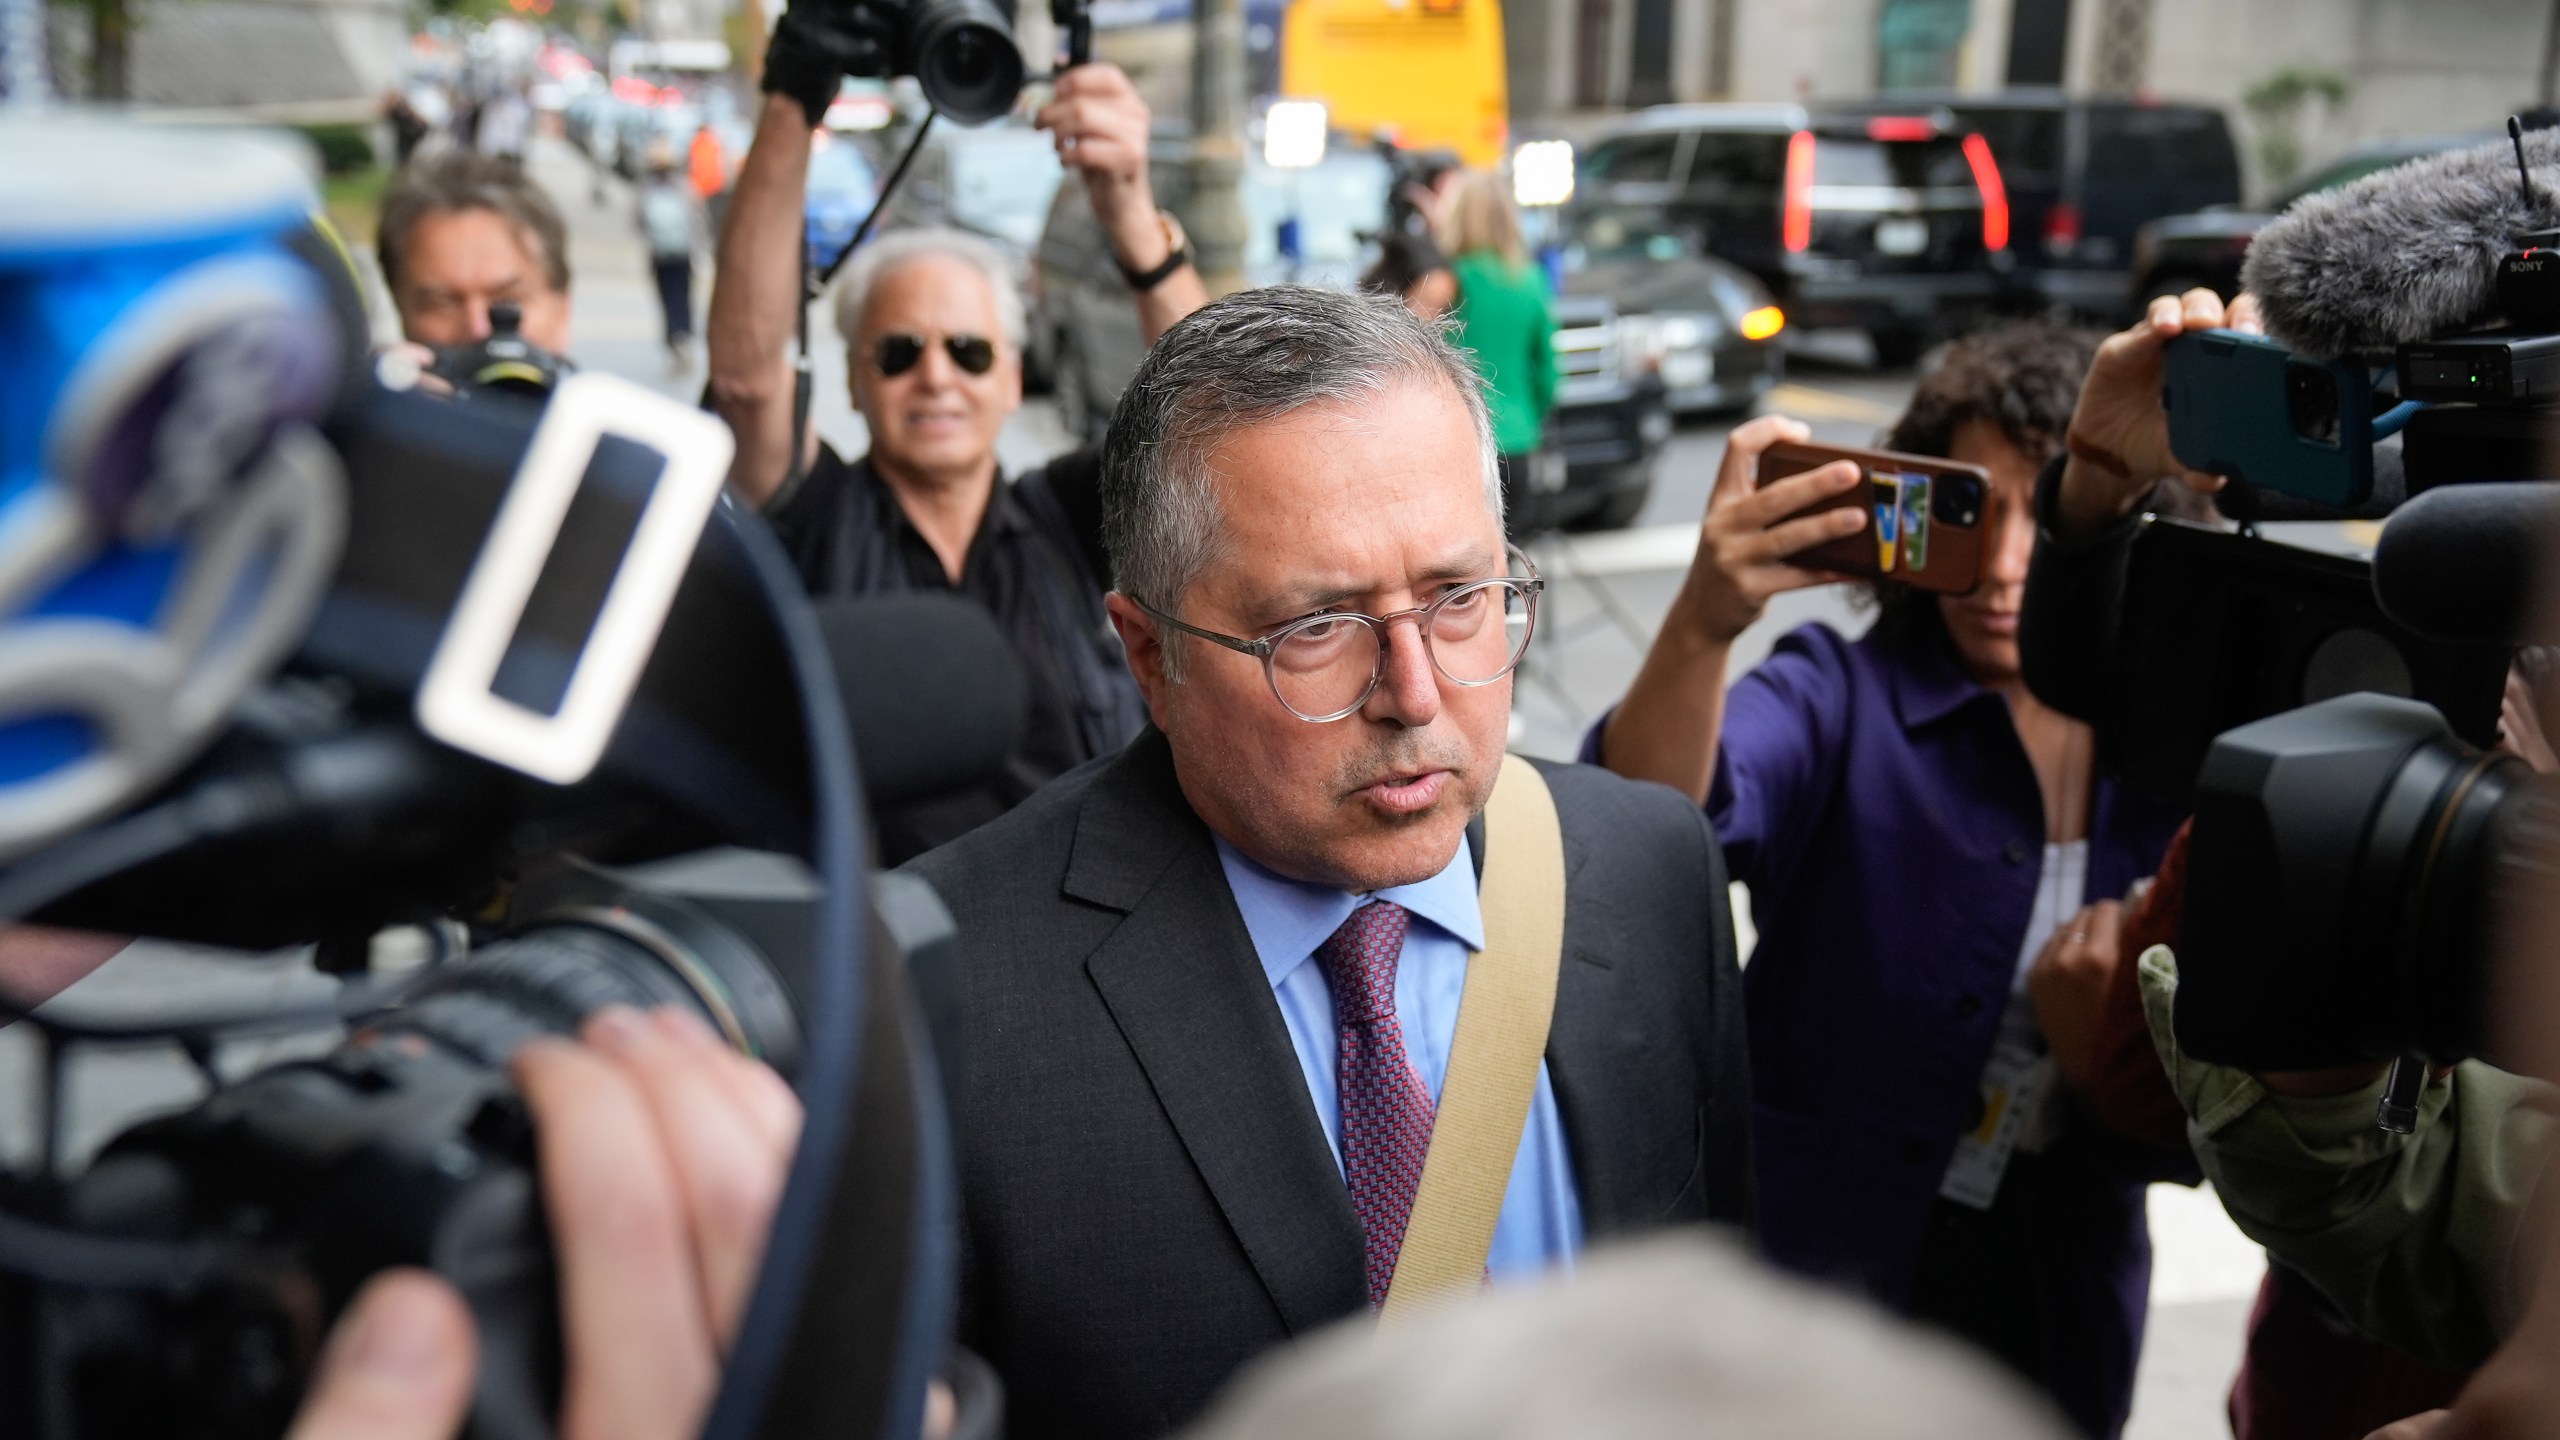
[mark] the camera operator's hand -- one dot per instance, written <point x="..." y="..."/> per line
<point x="663" y="1153"/>
<point x="1101" y="125"/>
<point x="1667" y="728"/>
<point x="815" y="46"/>
<point x="2119" y="435"/>
<point x="2068" y="986"/>
<point x="1745" y="537"/>
<point x="408" y="365"/>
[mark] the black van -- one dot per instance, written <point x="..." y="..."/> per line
<point x="2084" y="173"/>
<point x="1890" y="222"/>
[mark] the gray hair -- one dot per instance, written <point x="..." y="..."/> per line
<point x="1249" y="359"/>
<point x="1660" y="1340"/>
<point x="878" y="258"/>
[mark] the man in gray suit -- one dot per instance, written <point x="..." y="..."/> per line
<point x="1212" y="980"/>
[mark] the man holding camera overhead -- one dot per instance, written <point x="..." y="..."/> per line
<point x="935" y="330"/>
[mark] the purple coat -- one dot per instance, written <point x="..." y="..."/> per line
<point x="1881" y="808"/>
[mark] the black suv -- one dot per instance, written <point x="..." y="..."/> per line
<point x="2178" y="253"/>
<point x="2083" y="174"/>
<point x="1892" y="223"/>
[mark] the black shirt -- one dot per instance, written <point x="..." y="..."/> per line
<point x="1036" y="564"/>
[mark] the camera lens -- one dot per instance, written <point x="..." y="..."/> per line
<point x="2349" y="864"/>
<point x="1958" y="502"/>
<point x="2311" y="402"/>
<point x="965" y="58"/>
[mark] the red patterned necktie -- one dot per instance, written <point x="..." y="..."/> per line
<point x="1386" y="1112"/>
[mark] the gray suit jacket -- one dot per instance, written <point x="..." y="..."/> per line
<point x="1149" y="1200"/>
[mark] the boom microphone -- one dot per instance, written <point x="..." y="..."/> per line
<point x="2461" y="563"/>
<point x="931" y="689"/>
<point x="2404" y="255"/>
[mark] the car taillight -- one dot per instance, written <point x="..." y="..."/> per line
<point x="1902" y="127"/>
<point x="1798" y="231"/>
<point x="1995" y="196"/>
<point x="2061" y="228"/>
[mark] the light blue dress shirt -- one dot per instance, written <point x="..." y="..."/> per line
<point x="1541" y="1223"/>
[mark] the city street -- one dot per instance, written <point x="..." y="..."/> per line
<point x="1608" y="593"/>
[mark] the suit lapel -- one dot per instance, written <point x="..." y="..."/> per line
<point x="1182" y="981"/>
<point x="1606" y="1061"/>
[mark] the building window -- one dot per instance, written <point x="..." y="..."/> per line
<point x="1917" y="42"/>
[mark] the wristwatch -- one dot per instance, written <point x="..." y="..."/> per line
<point x="1177" y="255"/>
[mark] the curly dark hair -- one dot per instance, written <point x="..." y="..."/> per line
<point x="2024" y="379"/>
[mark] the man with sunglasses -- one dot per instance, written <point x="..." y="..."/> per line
<point x="934" y="328"/>
<point x="1213" y="982"/>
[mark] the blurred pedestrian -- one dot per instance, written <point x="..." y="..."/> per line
<point x="506" y="125"/>
<point x="668" y="210"/>
<point x="1411" y="268"/>
<point x="1503" y="319"/>
<point x="1914" y="824"/>
<point x="707" y="167"/>
<point x="408" y="127"/>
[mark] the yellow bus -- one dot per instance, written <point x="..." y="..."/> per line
<point x="1426" y="72"/>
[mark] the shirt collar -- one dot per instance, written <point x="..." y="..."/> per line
<point x="1928" y="683"/>
<point x="1287" y="919"/>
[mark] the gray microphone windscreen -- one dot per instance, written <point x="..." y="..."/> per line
<point x="2461" y="562"/>
<point x="2407" y="254"/>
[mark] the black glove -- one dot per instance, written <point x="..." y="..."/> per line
<point x="816" y="46"/>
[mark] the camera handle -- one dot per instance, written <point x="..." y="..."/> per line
<point x="813" y="286"/>
<point x="2397" y="1110"/>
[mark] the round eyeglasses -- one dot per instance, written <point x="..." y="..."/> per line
<point x="1325" y="666"/>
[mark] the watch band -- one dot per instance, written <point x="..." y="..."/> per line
<point x="1175" y="258"/>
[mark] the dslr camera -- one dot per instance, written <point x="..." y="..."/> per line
<point x="504" y="363"/>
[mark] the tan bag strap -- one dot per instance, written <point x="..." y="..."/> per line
<point x="1493" y="1063"/>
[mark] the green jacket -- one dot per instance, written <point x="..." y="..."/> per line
<point x="1502" y="319"/>
<point x="2416" y="1237"/>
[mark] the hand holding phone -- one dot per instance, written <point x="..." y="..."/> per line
<point x="1752" y="527"/>
<point x="1919" y="521"/>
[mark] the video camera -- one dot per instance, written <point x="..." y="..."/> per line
<point x="2328" y="707"/>
<point x="287" y="659"/>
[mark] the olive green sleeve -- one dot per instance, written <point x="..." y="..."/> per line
<point x="2413" y="1236"/>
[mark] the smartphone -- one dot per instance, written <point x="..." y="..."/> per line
<point x="2244" y="406"/>
<point x="1926" y="518"/>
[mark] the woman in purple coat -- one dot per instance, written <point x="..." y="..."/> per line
<point x="1913" y="825"/>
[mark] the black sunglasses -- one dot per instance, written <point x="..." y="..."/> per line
<point x="898" y="354"/>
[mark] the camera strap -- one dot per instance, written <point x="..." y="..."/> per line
<point x="1503" y="1013"/>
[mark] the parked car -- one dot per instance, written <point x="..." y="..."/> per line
<point x="1312" y="226"/>
<point x="1886" y="222"/>
<point x="2178" y="253"/>
<point x="1708" y="328"/>
<point x="841" y="191"/>
<point x="2083" y="174"/>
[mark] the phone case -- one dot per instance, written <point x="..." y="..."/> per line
<point x="2242" y="405"/>
<point x="1926" y="518"/>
